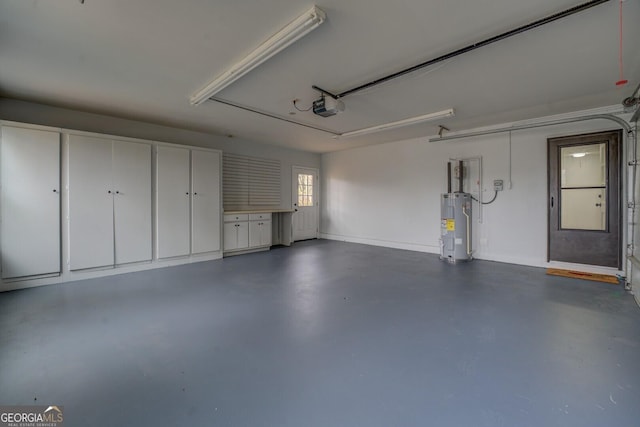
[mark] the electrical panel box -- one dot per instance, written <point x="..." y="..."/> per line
<point x="455" y="236"/>
<point x="460" y="170"/>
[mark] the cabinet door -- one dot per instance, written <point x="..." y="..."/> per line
<point x="30" y="200"/>
<point x="243" y="235"/>
<point x="205" y="210"/>
<point x="90" y="202"/>
<point x="259" y="233"/>
<point x="172" y="201"/>
<point x="132" y="201"/>
<point x="254" y="233"/>
<point x="230" y="236"/>
<point x="265" y="233"/>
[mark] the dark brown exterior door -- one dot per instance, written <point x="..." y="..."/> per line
<point x="584" y="199"/>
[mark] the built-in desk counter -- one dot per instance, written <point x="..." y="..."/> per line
<point x="256" y="230"/>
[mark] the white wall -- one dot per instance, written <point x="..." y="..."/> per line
<point x="27" y="112"/>
<point x="389" y="194"/>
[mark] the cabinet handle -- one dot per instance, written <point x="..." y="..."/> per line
<point x="109" y="191"/>
<point x="55" y="191"/>
<point x="187" y="193"/>
<point x="117" y="192"/>
<point x="195" y="194"/>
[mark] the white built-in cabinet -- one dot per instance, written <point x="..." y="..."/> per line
<point x="236" y="232"/>
<point x="259" y="229"/>
<point x="247" y="232"/>
<point x="172" y="201"/>
<point x="187" y="201"/>
<point x="30" y="202"/>
<point x="205" y="201"/>
<point x="109" y="212"/>
<point x="77" y="204"/>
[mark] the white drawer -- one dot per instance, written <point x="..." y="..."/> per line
<point x="236" y="217"/>
<point x="260" y="216"/>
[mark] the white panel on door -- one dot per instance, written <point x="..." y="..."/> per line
<point x="205" y="167"/>
<point x="172" y="201"/>
<point x="132" y="201"/>
<point x="90" y="202"/>
<point x="30" y="200"/>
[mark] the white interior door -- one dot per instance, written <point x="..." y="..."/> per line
<point x="172" y="201"/>
<point x="305" y="221"/>
<point x="90" y="203"/>
<point x="132" y="201"/>
<point x="30" y="200"/>
<point x="205" y="210"/>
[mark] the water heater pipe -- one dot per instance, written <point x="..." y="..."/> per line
<point x="464" y="212"/>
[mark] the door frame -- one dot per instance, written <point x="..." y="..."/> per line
<point x="294" y="195"/>
<point x="614" y="184"/>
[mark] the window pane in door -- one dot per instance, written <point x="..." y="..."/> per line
<point x="584" y="209"/>
<point x="305" y="190"/>
<point x="583" y="193"/>
<point x="583" y="165"/>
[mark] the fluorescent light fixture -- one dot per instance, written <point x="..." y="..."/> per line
<point x="400" y="123"/>
<point x="295" y="30"/>
<point x="579" y="154"/>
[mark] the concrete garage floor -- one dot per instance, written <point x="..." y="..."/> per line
<point x="326" y="334"/>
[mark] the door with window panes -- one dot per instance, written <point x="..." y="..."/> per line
<point x="584" y="199"/>
<point x="305" y="203"/>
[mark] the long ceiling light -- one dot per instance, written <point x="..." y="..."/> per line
<point x="400" y="123"/>
<point x="294" y="31"/>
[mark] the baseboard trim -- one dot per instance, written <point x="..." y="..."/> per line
<point x="74" y="276"/>
<point x="384" y="243"/>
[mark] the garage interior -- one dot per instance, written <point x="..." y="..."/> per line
<point x="320" y="214"/>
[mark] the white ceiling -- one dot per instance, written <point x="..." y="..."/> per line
<point x="142" y="60"/>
